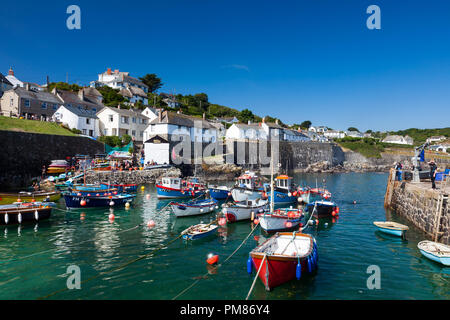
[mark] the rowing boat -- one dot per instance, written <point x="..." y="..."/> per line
<point x="435" y="251"/>
<point x="199" y="231"/>
<point x="391" y="227"/>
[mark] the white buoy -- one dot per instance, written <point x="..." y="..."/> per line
<point x="36" y="215"/>
<point x="127" y="204"/>
<point x="111" y="203"/>
<point x="217" y="207"/>
<point x="19" y="217"/>
<point x="201" y="210"/>
<point x="289" y="194"/>
<point x="6" y="218"/>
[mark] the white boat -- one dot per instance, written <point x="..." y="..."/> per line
<point x="435" y="251"/>
<point x="247" y="188"/>
<point x="199" y="231"/>
<point x="281" y="219"/>
<point x="193" y="208"/>
<point x="392" y="228"/>
<point x="243" y="210"/>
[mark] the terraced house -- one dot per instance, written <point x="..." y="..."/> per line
<point x="117" y="122"/>
<point x="30" y="104"/>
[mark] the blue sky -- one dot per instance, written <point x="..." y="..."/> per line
<point x="296" y="60"/>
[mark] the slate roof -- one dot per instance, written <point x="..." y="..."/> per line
<point x="127" y="112"/>
<point x="181" y="120"/>
<point x="132" y="91"/>
<point x="82" y="112"/>
<point x="37" y="95"/>
<point x="73" y="99"/>
<point x="4" y="80"/>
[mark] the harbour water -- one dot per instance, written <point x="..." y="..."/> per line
<point x="34" y="258"/>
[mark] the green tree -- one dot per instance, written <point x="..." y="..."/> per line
<point x="64" y="86"/>
<point x="111" y="97"/>
<point x="352" y="129"/>
<point x="306" y="124"/>
<point x="152" y="81"/>
<point x="246" y="115"/>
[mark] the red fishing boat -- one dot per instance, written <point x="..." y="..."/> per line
<point x="284" y="257"/>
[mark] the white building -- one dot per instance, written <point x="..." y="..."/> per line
<point x="354" y="134"/>
<point x="436" y="139"/>
<point x="151" y="113"/>
<point x="13" y="80"/>
<point x="82" y="119"/>
<point x="118" y="80"/>
<point x="134" y="95"/>
<point x="320" y="129"/>
<point x="398" y="139"/>
<point x="117" y="122"/>
<point x="334" y="134"/>
<point x="294" y="136"/>
<point x="171" y="126"/>
<point x="241" y="131"/>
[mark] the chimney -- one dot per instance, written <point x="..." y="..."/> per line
<point x="118" y="107"/>
<point x="11" y="72"/>
<point x="108" y="71"/>
<point x="27" y="86"/>
<point x="116" y="71"/>
<point x="81" y="94"/>
<point x="160" y="115"/>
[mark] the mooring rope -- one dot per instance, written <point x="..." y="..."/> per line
<point x="257" y="274"/>
<point x="216" y="267"/>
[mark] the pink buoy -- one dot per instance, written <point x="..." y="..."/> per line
<point x="288" y="224"/>
<point x="83" y="203"/>
<point x="222" y="221"/>
<point x="111" y="216"/>
<point x="88" y="194"/>
<point x="256" y="221"/>
<point x="150" y="223"/>
<point x="148" y="196"/>
<point x="79" y="194"/>
<point x="98" y="194"/>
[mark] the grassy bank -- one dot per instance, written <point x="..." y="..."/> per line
<point x="33" y="126"/>
<point x="370" y="148"/>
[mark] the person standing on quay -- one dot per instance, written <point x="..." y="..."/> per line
<point x="433" y="169"/>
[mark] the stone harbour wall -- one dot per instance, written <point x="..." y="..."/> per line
<point x="426" y="208"/>
<point x="134" y="176"/>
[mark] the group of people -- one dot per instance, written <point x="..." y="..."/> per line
<point x="433" y="171"/>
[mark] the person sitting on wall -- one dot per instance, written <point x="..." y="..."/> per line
<point x="433" y="168"/>
<point x="398" y="171"/>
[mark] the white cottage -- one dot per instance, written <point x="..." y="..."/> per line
<point x="82" y="119"/>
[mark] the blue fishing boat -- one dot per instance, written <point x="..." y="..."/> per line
<point x="171" y="188"/>
<point x="284" y="191"/>
<point x="219" y="192"/>
<point x="93" y="201"/>
<point x="392" y="228"/>
<point x="121" y="187"/>
<point x="323" y="208"/>
<point x="435" y="251"/>
<point x="199" y="231"/>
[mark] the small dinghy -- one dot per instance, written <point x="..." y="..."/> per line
<point x="281" y="219"/>
<point x="219" y="192"/>
<point x="392" y="228"/>
<point x="193" y="208"/>
<point x="435" y="251"/>
<point x="284" y="257"/>
<point x="199" y="231"/>
<point x="239" y="211"/>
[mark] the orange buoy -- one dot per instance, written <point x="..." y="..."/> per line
<point x="337" y="209"/>
<point x="256" y="221"/>
<point x="150" y="223"/>
<point x="111" y="216"/>
<point x="212" y="259"/>
<point x="83" y="203"/>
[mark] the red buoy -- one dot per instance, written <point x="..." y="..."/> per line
<point x="212" y="259"/>
<point x="222" y="221"/>
<point x="83" y="203"/>
<point x="150" y="223"/>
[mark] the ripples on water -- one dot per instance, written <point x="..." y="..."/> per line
<point x="346" y="248"/>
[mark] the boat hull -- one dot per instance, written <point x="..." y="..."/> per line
<point x="238" y="213"/>
<point x="442" y="260"/>
<point x="74" y="201"/>
<point x="201" y="235"/>
<point x="185" y="210"/>
<point x="120" y="187"/>
<point x="398" y="233"/>
<point x="219" y="194"/>
<point x="169" y="193"/>
<point x="323" y="209"/>
<point x="282" y="198"/>
<point x="8" y="198"/>
<point x="28" y="215"/>
<point x="243" y="194"/>
<point x="271" y="223"/>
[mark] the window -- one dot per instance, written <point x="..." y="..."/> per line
<point x="133" y="133"/>
<point x="55" y="106"/>
<point x="91" y="133"/>
<point x="11" y="102"/>
<point x="106" y="132"/>
<point x="133" y="119"/>
<point x="144" y="121"/>
<point x="44" y="105"/>
<point x="27" y="103"/>
<point x="124" y="119"/>
<point x="88" y="121"/>
<point x="111" y="118"/>
<point x="84" y="131"/>
<point x="141" y="134"/>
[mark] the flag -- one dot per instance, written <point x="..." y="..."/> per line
<point x="422" y="156"/>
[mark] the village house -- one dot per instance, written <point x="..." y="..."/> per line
<point x="5" y="85"/>
<point x="85" y="98"/>
<point x="249" y="131"/>
<point x="134" y="95"/>
<point x="170" y="100"/>
<point x="294" y="136"/>
<point x="398" y="139"/>
<point x="334" y="134"/>
<point x="171" y="126"/>
<point x="436" y="139"/>
<point x="320" y="129"/>
<point x="82" y="119"/>
<point x="118" y="121"/>
<point x="228" y="120"/>
<point x="118" y="80"/>
<point x="30" y="104"/>
<point x="354" y="134"/>
<point x="272" y="130"/>
<point x="13" y="80"/>
<point x="151" y="113"/>
<point x="316" y="137"/>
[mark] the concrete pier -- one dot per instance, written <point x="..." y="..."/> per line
<point x="427" y="209"/>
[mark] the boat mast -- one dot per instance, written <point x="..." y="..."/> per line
<point x="271" y="182"/>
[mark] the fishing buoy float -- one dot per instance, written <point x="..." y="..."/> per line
<point x="256" y="238"/>
<point x="19" y="217"/>
<point x="252" y="217"/>
<point x="249" y="265"/>
<point x="309" y="264"/>
<point x="212" y="258"/>
<point x="299" y="199"/>
<point x="289" y="194"/>
<point x="19" y="200"/>
<point x="6" y="218"/>
<point x="98" y="194"/>
<point x="222" y="221"/>
<point x="79" y="194"/>
<point x="298" y="270"/>
<point x="201" y="210"/>
<point x="36" y="215"/>
<point x="150" y="223"/>
<point x="217" y="207"/>
<point x="354" y="201"/>
<point x="288" y="224"/>
<point x="229" y="193"/>
<point x="88" y="194"/>
<point x="142" y="187"/>
<point x="83" y="203"/>
<point x="111" y="203"/>
<point x="256" y="221"/>
<point x="111" y="216"/>
<point x="127" y="205"/>
<point x="147" y="196"/>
